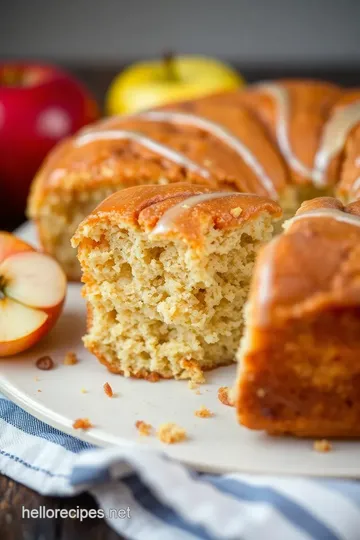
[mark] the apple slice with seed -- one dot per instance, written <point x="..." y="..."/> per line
<point x="32" y="293"/>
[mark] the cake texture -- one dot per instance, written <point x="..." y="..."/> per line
<point x="299" y="360"/>
<point x="166" y="271"/>
<point x="288" y="140"/>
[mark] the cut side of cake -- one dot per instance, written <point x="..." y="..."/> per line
<point x="166" y="272"/>
<point x="299" y="360"/>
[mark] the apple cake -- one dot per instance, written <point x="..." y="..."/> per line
<point x="166" y="271"/>
<point x="289" y="140"/>
<point x="299" y="360"/>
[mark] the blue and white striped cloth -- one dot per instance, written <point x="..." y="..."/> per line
<point x="167" y="501"/>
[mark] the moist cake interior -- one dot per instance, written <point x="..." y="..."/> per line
<point x="161" y="306"/>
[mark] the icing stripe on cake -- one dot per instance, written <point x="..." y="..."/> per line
<point x="333" y="213"/>
<point x="333" y="139"/>
<point x="281" y="98"/>
<point x="147" y="142"/>
<point x="220" y="133"/>
<point x="165" y="223"/>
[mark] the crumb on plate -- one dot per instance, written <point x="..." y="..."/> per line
<point x="143" y="428"/>
<point x="82" y="423"/>
<point x="195" y="371"/>
<point x="83" y="391"/>
<point x="70" y="359"/>
<point x="45" y="363"/>
<point x="108" y="390"/>
<point x="224" y="395"/>
<point x="323" y="446"/>
<point x="204" y="412"/>
<point x="171" y="433"/>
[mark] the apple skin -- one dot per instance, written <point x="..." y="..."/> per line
<point x="11" y="246"/>
<point x="34" y="117"/>
<point x="10" y="348"/>
<point x="152" y="83"/>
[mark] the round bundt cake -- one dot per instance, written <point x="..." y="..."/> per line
<point x="289" y="140"/>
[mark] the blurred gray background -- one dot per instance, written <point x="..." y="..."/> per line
<point x="251" y="32"/>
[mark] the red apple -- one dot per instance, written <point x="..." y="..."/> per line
<point x="39" y="105"/>
<point x="32" y="293"/>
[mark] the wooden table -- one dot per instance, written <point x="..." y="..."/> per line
<point x="12" y="495"/>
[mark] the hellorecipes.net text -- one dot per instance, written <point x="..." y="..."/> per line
<point x="42" y="512"/>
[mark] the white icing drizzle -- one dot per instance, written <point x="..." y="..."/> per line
<point x="147" y="142"/>
<point x="356" y="185"/>
<point x="333" y="139"/>
<point x="333" y="213"/>
<point x="166" y="221"/>
<point x="220" y="133"/>
<point x="280" y="94"/>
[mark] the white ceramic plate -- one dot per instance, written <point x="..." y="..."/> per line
<point x="215" y="444"/>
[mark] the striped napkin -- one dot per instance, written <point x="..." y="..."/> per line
<point x="144" y="495"/>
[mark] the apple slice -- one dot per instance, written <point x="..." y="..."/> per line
<point x="9" y="245"/>
<point x="19" y="326"/>
<point x="34" y="279"/>
<point x="32" y="293"/>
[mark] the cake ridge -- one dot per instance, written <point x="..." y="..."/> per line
<point x="333" y="138"/>
<point x="220" y="133"/>
<point x="281" y="96"/>
<point x="334" y="213"/>
<point x="159" y="148"/>
<point x="165" y="222"/>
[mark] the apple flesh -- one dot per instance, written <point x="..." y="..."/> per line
<point x="32" y="294"/>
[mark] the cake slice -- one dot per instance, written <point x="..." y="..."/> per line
<point x="166" y="272"/>
<point x="299" y="361"/>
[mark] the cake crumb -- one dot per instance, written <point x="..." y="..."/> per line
<point x="83" y="391"/>
<point x="322" y="446"/>
<point x="224" y="395"/>
<point x="204" y="412"/>
<point x="171" y="433"/>
<point x="143" y="428"/>
<point x="45" y="363"/>
<point x="39" y="390"/>
<point x="108" y="390"/>
<point x="192" y="385"/>
<point x="195" y="372"/>
<point x="70" y="359"/>
<point x="198" y="393"/>
<point x="236" y="212"/>
<point x="82" y="423"/>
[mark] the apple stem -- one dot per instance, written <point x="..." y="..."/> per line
<point x="170" y="67"/>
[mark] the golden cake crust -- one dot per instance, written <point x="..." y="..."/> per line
<point x="328" y="250"/>
<point x="144" y="207"/>
<point x="299" y="360"/>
